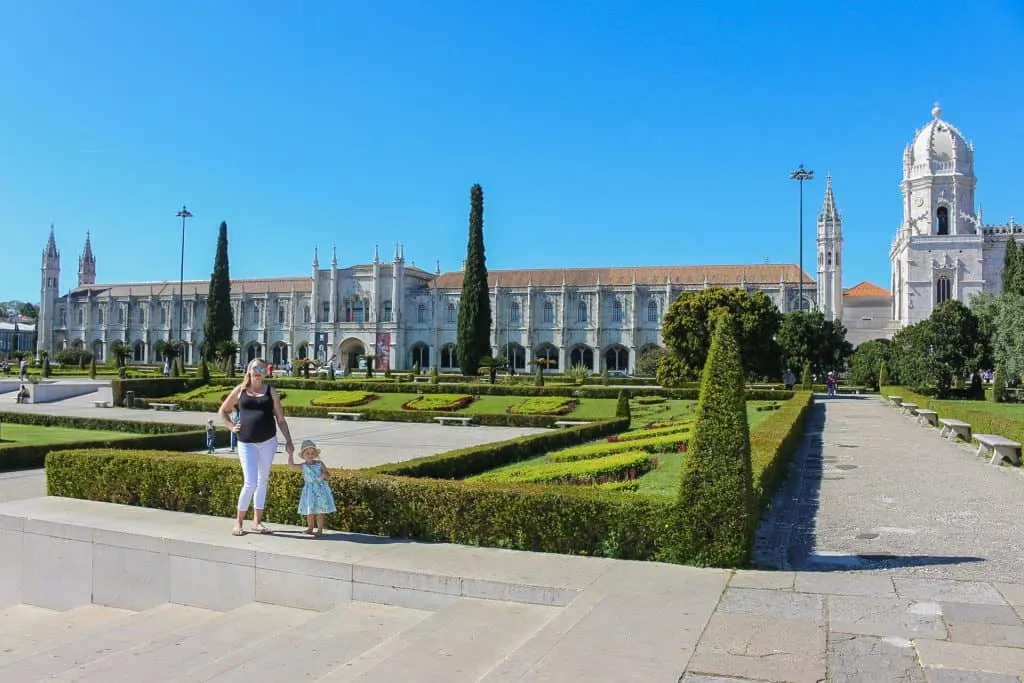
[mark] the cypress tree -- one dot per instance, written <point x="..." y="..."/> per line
<point x="1012" y="267"/>
<point x="474" y="335"/>
<point x="220" y="321"/>
<point x="716" y="511"/>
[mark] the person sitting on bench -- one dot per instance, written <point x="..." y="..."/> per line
<point x="22" y="396"/>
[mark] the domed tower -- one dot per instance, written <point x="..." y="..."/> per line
<point x="938" y="251"/>
<point x="938" y="181"/>
<point x="48" y="293"/>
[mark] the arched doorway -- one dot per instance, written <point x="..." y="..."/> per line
<point x="349" y="353"/>
<point x="303" y="350"/>
<point x="449" y="357"/>
<point x="616" y="358"/>
<point x="279" y="354"/>
<point x="516" y="356"/>
<point x="420" y="355"/>
<point x="252" y="351"/>
<point x="582" y="355"/>
<point x="139" y="351"/>
<point x="97" y="351"/>
<point x="549" y="354"/>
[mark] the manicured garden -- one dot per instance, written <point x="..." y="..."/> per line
<point x="985" y="417"/>
<point x="23" y="434"/>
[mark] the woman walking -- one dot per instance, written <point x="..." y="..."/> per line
<point x="259" y="417"/>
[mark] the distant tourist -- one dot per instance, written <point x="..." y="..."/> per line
<point x="259" y="417"/>
<point x="789" y="379"/>
<point x="830" y="384"/>
<point x="22" y="396"/>
<point x="211" y="436"/>
<point x="316" y="499"/>
<point x="23" y="369"/>
<point x="167" y="368"/>
<point x="234" y="434"/>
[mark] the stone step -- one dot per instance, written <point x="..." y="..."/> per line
<point x="45" y="659"/>
<point x="26" y="629"/>
<point x="461" y="642"/>
<point x="184" y="650"/>
<point x="319" y="646"/>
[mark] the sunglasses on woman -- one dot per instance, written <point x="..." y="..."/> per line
<point x="259" y="370"/>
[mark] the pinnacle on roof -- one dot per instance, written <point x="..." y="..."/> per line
<point x="87" y="256"/>
<point x="51" y="245"/>
<point x="316" y="256"/>
<point x="828" y="208"/>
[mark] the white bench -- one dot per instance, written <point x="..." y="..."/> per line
<point x="929" y="416"/>
<point x="164" y="406"/>
<point x="999" y="447"/>
<point x="461" y="421"/>
<point x="569" y="423"/>
<point x="101" y="404"/>
<point x="895" y="401"/>
<point x="951" y="429"/>
<point x="347" y="416"/>
<point x="908" y="408"/>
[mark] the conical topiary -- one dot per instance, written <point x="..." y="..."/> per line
<point x="716" y="513"/>
<point x="622" y="407"/>
<point x="883" y="376"/>
<point x="805" y="378"/>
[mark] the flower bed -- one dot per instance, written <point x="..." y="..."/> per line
<point x="613" y="468"/>
<point x="657" y="444"/>
<point x="442" y="402"/>
<point x="342" y="399"/>
<point x="680" y="428"/>
<point x="544" y="405"/>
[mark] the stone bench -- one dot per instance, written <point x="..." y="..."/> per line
<point x="929" y="416"/>
<point x="164" y="406"/>
<point x="894" y="401"/>
<point x="101" y="404"/>
<point x="570" y="423"/>
<point x="347" y="416"/>
<point x="461" y="421"/>
<point x="999" y="447"/>
<point x="951" y="429"/>
<point x="908" y="408"/>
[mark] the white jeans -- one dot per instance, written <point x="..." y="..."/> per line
<point x="256" y="459"/>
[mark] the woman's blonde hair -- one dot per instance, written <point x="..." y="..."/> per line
<point x="247" y="382"/>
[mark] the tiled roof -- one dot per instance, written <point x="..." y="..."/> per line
<point x="252" y="286"/>
<point x="757" y="274"/>
<point x="866" y="289"/>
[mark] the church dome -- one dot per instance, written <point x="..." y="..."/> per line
<point x="938" y="148"/>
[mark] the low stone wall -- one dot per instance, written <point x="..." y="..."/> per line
<point x="48" y="392"/>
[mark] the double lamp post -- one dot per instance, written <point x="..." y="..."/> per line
<point x="800" y="175"/>
<point x="184" y="214"/>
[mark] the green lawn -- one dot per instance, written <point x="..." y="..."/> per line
<point x="36" y="434"/>
<point x="588" y="408"/>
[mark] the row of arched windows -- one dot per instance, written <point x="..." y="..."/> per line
<point x="615" y="357"/>
<point x="515" y="312"/>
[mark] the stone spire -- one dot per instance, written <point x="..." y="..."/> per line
<point x="828" y="209"/>
<point x="316" y="257"/>
<point x="87" y="264"/>
<point x="51" y="246"/>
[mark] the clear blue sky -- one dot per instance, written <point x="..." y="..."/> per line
<point x="604" y="133"/>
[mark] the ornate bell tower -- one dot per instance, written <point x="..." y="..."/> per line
<point x="830" y="247"/>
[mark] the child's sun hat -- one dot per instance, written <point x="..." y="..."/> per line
<point x="307" y="443"/>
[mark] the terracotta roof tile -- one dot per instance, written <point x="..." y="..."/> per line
<point x="757" y="274"/>
<point x="866" y="289"/>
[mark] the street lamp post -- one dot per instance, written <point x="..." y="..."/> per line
<point x="800" y="175"/>
<point x="183" y="215"/>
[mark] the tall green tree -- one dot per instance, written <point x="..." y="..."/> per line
<point x="985" y="307"/>
<point x="220" y="322"/>
<point x="474" y="334"/>
<point x="1009" y="336"/>
<point x="691" y="320"/>
<point x="934" y="353"/>
<point x="806" y="337"/>
<point x="867" y="361"/>
<point x="717" y="512"/>
<point x="1013" y="268"/>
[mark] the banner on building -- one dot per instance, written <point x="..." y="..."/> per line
<point x="382" y="349"/>
<point x="320" y="348"/>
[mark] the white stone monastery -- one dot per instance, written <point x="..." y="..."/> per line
<point x="598" y="317"/>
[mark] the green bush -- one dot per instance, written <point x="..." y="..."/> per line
<point x="556" y="519"/>
<point x="717" y="513"/>
<point x="773" y="444"/>
<point x="435" y="375"/>
<point x="982" y="420"/>
<point x="617" y="467"/>
<point x="158" y="387"/>
<point x="883" y="375"/>
<point x="622" y="407"/>
<point x="650" y="400"/>
<point x="805" y="378"/>
<point x="636" y="434"/>
<point x="203" y="371"/>
<point x="92" y="369"/>
<point x="665" y="443"/>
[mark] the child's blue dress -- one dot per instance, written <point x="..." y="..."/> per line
<point x="316" y="498"/>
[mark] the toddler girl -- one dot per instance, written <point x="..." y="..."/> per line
<point x="316" y="499"/>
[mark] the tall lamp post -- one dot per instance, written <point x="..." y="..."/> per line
<point x="800" y="175"/>
<point x="183" y="215"/>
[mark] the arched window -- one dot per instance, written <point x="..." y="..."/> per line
<point x="280" y="314"/>
<point x="652" y="312"/>
<point x="581" y="313"/>
<point x="943" y="289"/>
<point x="549" y="312"/>
<point x="303" y="350"/>
<point x="449" y="357"/>
<point x="255" y="315"/>
<point x="516" y="356"/>
<point x="549" y="354"/>
<point x="616" y="358"/>
<point x="451" y="313"/>
<point x="421" y="314"/>
<point x="138" y="352"/>
<point x="828" y="258"/>
<point x="582" y="355"/>
<point x="81" y="316"/>
<point x="305" y="314"/>
<point x="942" y="221"/>
<point x="513" y="312"/>
<point x="163" y="315"/>
<point x="358" y="310"/>
<point x="387" y="311"/>
<point x="120" y="315"/>
<point x="421" y="355"/>
<point x="99" y="316"/>
<point x="617" y="312"/>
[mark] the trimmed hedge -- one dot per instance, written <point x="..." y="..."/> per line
<point x="979" y="414"/>
<point x="145" y="388"/>
<point x="611" y="468"/>
<point x="541" y="518"/>
<point x="773" y="444"/>
<point x="137" y="435"/>
<point x="544" y="405"/>
<point x="657" y="444"/>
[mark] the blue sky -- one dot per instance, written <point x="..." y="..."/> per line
<point x="604" y="133"/>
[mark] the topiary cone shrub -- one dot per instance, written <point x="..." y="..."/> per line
<point x="622" y="407"/>
<point x="717" y="512"/>
<point x="435" y="375"/>
<point x="203" y="371"/>
<point x="805" y="378"/>
<point x="998" y="385"/>
<point x="883" y="376"/>
<point x="92" y="368"/>
<point x="538" y="377"/>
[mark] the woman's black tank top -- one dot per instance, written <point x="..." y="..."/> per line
<point x="256" y="417"/>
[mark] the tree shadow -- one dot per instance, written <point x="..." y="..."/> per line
<point x="786" y="535"/>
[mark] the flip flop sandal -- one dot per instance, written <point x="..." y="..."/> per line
<point x="261" y="529"/>
<point x="238" y="531"/>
